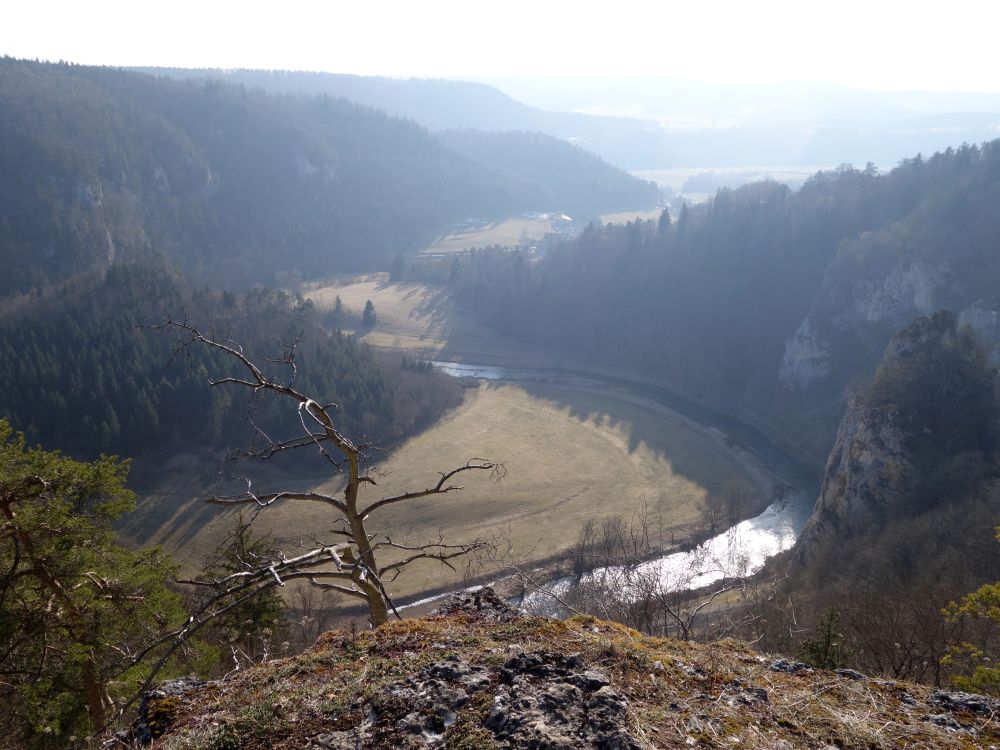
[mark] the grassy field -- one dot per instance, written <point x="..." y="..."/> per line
<point x="506" y="233"/>
<point x="623" y="217"/>
<point x="571" y="454"/>
<point x="428" y="323"/>
<point x="574" y="451"/>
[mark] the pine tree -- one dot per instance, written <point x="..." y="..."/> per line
<point x="74" y="604"/>
<point x="982" y="606"/>
<point x="826" y="648"/>
<point x="252" y="630"/>
<point x="368" y="318"/>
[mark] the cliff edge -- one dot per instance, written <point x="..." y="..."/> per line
<point x="479" y="675"/>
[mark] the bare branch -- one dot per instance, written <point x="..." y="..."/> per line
<point x="497" y="472"/>
<point x="249" y="498"/>
<point x="442" y="555"/>
<point x="357" y="572"/>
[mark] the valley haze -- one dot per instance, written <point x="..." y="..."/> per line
<point x="456" y="375"/>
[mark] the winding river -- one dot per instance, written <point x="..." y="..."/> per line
<point x="736" y="552"/>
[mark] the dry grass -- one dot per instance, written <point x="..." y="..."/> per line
<point x="679" y="694"/>
<point x="506" y="233"/>
<point x="427" y="322"/>
<point x="574" y="451"/>
<point x="623" y="217"/>
<point x="571" y="453"/>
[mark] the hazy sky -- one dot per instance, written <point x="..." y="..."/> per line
<point x="870" y="44"/>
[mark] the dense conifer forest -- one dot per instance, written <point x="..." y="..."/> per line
<point x="716" y="298"/>
<point x="90" y="374"/>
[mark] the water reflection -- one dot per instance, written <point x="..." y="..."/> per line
<point x="736" y="553"/>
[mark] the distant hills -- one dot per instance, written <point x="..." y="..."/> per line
<point x="445" y="105"/>
<point x="653" y="123"/>
<point x="234" y="185"/>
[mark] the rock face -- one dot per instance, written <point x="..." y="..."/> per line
<point x="867" y="466"/>
<point x="807" y="358"/>
<point x="931" y="397"/>
<point x="908" y="289"/>
<point x="983" y="318"/>
<point x="553" y="701"/>
<point x="875" y="306"/>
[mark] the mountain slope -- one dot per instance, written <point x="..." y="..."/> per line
<point x="450" y="105"/>
<point x="236" y="186"/>
<point x="574" y="181"/>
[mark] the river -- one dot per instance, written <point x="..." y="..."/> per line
<point x="737" y="552"/>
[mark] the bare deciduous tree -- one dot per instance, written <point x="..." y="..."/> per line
<point x="355" y="562"/>
<point x="728" y="506"/>
<point x="620" y="574"/>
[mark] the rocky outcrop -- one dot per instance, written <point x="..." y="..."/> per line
<point x="482" y="603"/>
<point x="908" y="289"/>
<point x="807" y="358"/>
<point x="553" y="701"/>
<point x="931" y="396"/>
<point x="982" y="316"/>
<point x="867" y="467"/>
<point x="481" y="676"/>
<point x="829" y="336"/>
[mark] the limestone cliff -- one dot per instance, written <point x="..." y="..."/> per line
<point x="931" y="399"/>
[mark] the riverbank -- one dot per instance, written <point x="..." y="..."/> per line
<point x="738" y="552"/>
<point x="578" y="447"/>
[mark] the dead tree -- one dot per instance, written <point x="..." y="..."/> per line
<point x="353" y="562"/>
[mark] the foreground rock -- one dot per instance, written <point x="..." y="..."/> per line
<point x="478" y="675"/>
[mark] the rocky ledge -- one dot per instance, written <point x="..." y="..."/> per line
<point x="478" y="675"/>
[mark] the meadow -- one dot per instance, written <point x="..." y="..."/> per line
<point x="574" y="450"/>
<point x="507" y="233"/>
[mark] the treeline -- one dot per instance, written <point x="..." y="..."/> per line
<point x="80" y="375"/>
<point x="711" y="299"/>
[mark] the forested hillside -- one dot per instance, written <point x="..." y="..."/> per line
<point x="449" y="104"/>
<point x="235" y="186"/>
<point x="573" y="180"/>
<point x="763" y="302"/>
<point x="80" y="376"/>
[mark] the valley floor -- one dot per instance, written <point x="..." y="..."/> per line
<point x="575" y="449"/>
